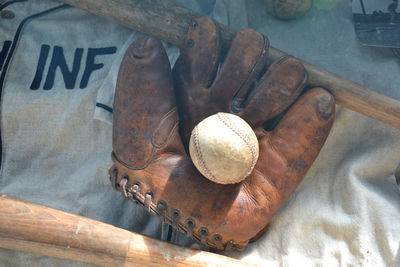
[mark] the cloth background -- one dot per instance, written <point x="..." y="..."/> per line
<point x="57" y="142"/>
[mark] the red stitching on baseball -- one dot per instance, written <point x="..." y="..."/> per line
<point x="199" y="155"/>
<point x="225" y="119"/>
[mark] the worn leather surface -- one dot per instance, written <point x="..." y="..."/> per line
<point x="155" y="111"/>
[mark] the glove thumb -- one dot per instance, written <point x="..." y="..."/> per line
<point x="144" y="104"/>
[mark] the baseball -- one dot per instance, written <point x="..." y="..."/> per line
<point x="224" y="148"/>
<point x="287" y="9"/>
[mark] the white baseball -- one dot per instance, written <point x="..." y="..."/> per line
<point x="224" y="148"/>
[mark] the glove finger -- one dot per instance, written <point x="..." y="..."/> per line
<point x="199" y="57"/>
<point x="244" y="62"/>
<point x="276" y="90"/>
<point x="291" y="148"/>
<point x="144" y="105"/>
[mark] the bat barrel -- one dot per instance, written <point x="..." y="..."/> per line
<point x="39" y="229"/>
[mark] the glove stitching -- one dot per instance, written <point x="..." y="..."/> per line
<point x="282" y="157"/>
<point x="158" y="128"/>
<point x="138" y="168"/>
<point x="295" y="93"/>
<point x="272" y="146"/>
<point x="133" y="193"/>
<point x="213" y="66"/>
<point x="138" y="198"/>
<point x="250" y="77"/>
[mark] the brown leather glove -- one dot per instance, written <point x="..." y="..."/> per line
<point x="152" y="166"/>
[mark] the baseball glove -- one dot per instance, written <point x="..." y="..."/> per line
<point x="155" y="111"/>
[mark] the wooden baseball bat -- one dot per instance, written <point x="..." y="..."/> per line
<point x="39" y="229"/>
<point x="168" y="21"/>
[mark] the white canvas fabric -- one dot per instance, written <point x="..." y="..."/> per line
<point x="60" y="66"/>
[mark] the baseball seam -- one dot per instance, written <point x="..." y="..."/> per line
<point x="199" y="155"/>
<point x="225" y="120"/>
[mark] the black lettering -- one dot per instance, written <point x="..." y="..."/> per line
<point x="58" y="60"/>
<point x="91" y="66"/>
<point x="44" y="53"/>
<point x="4" y="52"/>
